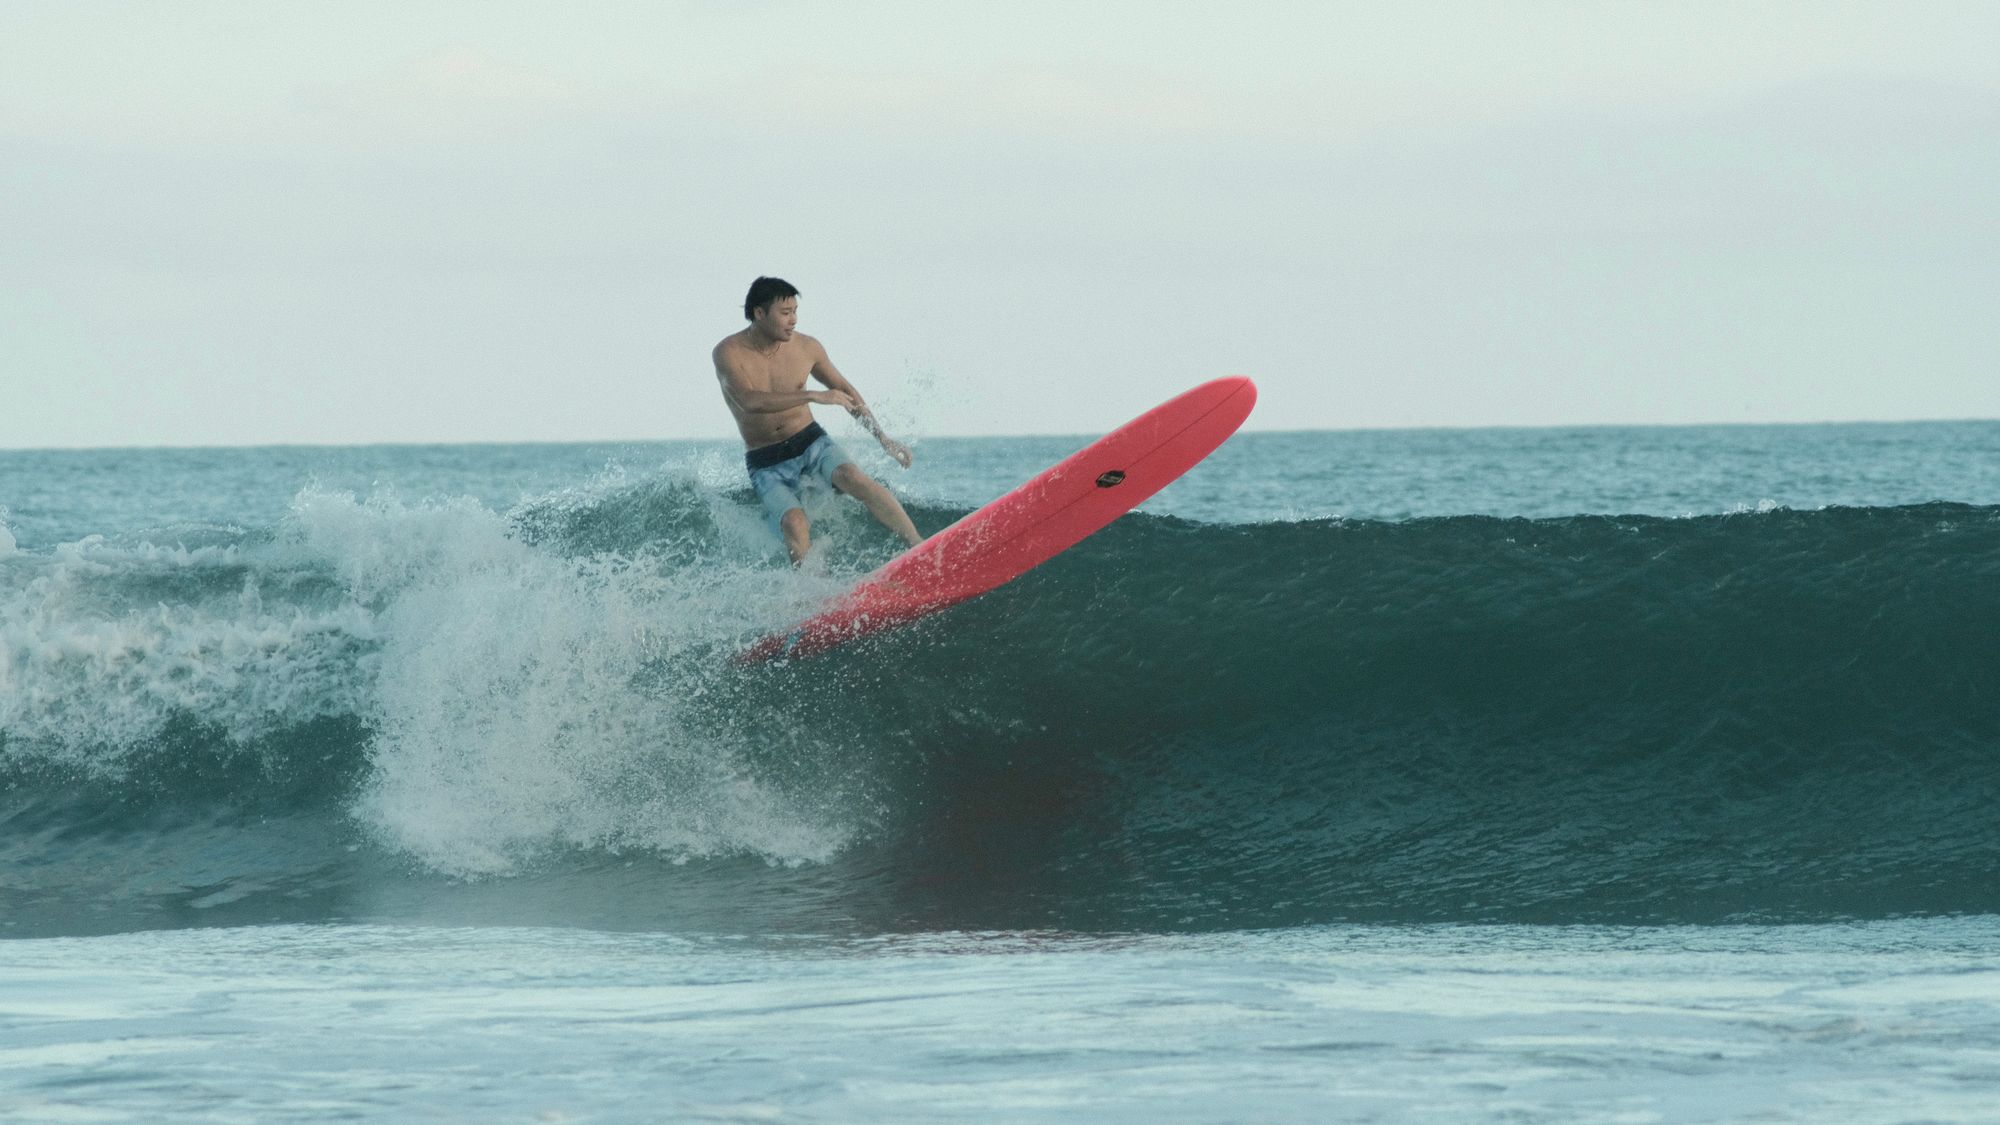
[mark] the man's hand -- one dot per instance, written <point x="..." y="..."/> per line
<point x="897" y="450"/>
<point x="841" y="399"/>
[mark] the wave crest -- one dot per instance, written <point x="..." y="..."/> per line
<point x="1771" y="714"/>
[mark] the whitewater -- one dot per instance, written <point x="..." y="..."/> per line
<point x="1571" y="774"/>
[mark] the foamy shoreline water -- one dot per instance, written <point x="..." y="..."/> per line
<point x="1870" y="1022"/>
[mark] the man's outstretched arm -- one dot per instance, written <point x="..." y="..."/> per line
<point x="824" y="370"/>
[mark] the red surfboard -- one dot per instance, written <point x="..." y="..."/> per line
<point x="1030" y="525"/>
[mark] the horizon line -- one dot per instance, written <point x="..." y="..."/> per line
<point x="1246" y="431"/>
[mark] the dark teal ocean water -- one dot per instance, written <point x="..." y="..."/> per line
<point x="1592" y="774"/>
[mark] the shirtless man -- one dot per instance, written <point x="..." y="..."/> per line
<point x="763" y="372"/>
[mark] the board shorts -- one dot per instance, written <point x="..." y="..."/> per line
<point x="781" y="471"/>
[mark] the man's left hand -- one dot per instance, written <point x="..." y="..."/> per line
<point x="897" y="450"/>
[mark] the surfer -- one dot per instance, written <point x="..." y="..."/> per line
<point x="763" y="372"/>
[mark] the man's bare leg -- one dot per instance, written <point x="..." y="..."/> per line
<point x="797" y="531"/>
<point x="880" y="502"/>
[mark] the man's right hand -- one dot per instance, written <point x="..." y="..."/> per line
<point x="837" y="398"/>
<point x="897" y="450"/>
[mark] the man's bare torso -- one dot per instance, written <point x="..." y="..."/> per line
<point x="782" y="368"/>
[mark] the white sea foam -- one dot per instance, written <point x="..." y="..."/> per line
<point x="528" y="701"/>
<point x="522" y="701"/>
<point x="92" y="667"/>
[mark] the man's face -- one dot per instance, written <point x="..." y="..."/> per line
<point x="781" y="319"/>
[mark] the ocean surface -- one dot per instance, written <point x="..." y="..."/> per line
<point x="1634" y="775"/>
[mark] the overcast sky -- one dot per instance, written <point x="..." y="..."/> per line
<point x="255" y="222"/>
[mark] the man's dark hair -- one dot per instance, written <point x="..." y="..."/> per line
<point x="763" y="291"/>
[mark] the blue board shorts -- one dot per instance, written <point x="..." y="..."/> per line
<point x="781" y="471"/>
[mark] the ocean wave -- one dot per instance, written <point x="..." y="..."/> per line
<point x="1769" y="714"/>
